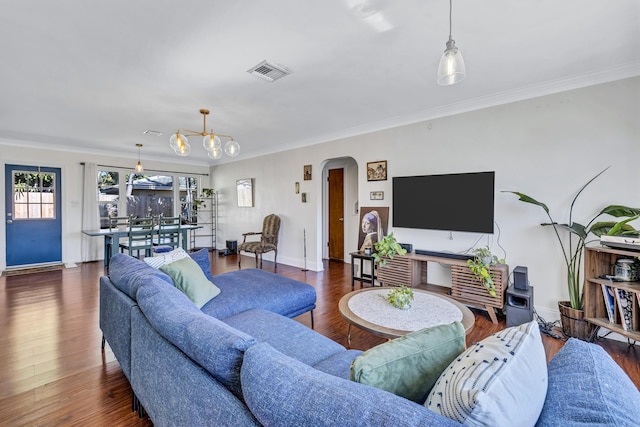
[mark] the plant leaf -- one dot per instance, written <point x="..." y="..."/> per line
<point x="615" y="230"/>
<point x="576" y="228"/>
<point x="527" y="199"/>
<point x="620" y="211"/>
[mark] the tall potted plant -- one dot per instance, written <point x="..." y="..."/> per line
<point x="572" y="242"/>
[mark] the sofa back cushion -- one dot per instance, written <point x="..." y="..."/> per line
<point x="126" y="272"/>
<point x="586" y="387"/>
<point x="280" y="390"/>
<point x="215" y="346"/>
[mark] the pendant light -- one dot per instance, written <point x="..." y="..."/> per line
<point x="451" y="69"/>
<point x="139" y="168"/>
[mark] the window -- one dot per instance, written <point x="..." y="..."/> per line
<point x="108" y="196"/>
<point x="146" y="195"/>
<point x="188" y="199"/>
<point x="149" y="195"/>
<point x="33" y="195"/>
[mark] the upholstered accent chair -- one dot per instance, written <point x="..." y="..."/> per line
<point x="268" y="240"/>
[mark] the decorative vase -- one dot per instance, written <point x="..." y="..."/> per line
<point x="573" y="323"/>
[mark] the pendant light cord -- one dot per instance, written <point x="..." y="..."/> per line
<point x="450" y="7"/>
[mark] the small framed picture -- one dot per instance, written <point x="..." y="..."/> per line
<point x="307" y="172"/>
<point x="304" y="197"/>
<point x="377" y="171"/>
<point x="376" y="195"/>
<point x="297" y="188"/>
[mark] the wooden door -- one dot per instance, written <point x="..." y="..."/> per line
<point x="336" y="214"/>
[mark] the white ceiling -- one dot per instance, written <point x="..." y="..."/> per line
<point x="91" y="76"/>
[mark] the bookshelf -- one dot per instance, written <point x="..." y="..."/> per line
<point x="600" y="261"/>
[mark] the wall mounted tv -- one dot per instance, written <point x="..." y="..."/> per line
<point x="452" y="202"/>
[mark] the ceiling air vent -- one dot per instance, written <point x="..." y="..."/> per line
<point x="268" y="71"/>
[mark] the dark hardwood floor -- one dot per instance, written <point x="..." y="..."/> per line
<point x="54" y="373"/>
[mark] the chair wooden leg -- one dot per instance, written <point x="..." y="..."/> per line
<point x="103" y="341"/>
<point x="275" y="261"/>
<point x="256" y="259"/>
<point x="311" y="319"/>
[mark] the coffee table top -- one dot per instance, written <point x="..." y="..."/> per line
<point x="369" y="310"/>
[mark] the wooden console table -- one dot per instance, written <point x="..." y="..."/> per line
<point x="411" y="270"/>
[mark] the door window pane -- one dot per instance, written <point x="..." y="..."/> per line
<point x="33" y="195"/>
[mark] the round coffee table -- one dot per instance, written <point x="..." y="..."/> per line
<point x="369" y="310"/>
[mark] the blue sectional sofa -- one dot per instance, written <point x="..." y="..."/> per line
<point x="241" y="360"/>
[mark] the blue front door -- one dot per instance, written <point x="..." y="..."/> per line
<point x="33" y="215"/>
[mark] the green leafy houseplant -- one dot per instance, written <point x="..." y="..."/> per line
<point x="481" y="265"/>
<point x="386" y="249"/>
<point x="400" y="297"/>
<point x="572" y="247"/>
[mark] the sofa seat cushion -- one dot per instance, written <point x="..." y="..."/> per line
<point x="286" y="335"/>
<point x="252" y="288"/>
<point x="282" y="391"/>
<point x="211" y="343"/>
<point x="126" y="272"/>
<point x="587" y="387"/>
<point x="338" y="364"/>
<point x="499" y="381"/>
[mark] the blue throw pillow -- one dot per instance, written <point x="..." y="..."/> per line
<point x="586" y="387"/>
<point x="201" y="258"/>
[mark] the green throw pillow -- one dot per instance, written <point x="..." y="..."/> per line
<point x="410" y="365"/>
<point x="188" y="277"/>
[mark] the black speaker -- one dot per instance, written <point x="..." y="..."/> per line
<point x="519" y="306"/>
<point x="407" y="246"/>
<point x="232" y="247"/>
<point x="520" y="278"/>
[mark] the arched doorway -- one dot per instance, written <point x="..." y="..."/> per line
<point x="340" y="208"/>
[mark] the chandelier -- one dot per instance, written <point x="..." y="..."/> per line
<point x="210" y="141"/>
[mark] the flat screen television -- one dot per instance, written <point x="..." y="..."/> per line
<point x="452" y="202"/>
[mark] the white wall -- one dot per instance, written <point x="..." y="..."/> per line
<point x="72" y="178"/>
<point x="546" y="147"/>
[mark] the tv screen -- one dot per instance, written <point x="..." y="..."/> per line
<point x="452" y="202"/>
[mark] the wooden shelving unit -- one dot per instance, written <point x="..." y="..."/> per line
<point x="411" y="270"/>
<point x="600" y="261"/>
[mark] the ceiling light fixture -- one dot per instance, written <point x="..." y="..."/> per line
<point x="451" y="69"/>
<point x="139" y="168"/>
<point x="210" y="141"/>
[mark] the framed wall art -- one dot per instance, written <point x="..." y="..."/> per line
<point x="377" y="171"/>
<point x="244" y="188"/>
<point x="307" y="172"/>
<point x="376" y="195"/>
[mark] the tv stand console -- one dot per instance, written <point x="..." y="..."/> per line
<point x="411" y="270"/>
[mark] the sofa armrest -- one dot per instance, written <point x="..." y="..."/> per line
<point x="586" y="387"/>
